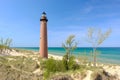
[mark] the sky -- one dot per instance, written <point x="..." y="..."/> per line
<point x="20" y="21"/>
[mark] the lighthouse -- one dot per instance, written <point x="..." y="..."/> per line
<point x="43" y="36"/>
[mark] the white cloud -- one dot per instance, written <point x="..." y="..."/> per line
<point x="87" y="10"/>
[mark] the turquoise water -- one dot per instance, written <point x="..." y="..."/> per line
<point x="106" y="55"/>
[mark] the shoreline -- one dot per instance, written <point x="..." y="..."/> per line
<point x="59" y="55"/>
<point x="107" y="55"/>
<point x="110" y="68"/>
<point x="55" y="56"/>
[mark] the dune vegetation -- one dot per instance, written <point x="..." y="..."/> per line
<point x="16" y="64"/>
<point x="32" y="67"/>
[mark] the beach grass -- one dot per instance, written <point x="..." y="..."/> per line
<point x="30" y="66"/>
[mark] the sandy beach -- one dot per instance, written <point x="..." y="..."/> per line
<point x="113" y="70"/>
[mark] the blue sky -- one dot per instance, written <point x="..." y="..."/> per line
<point x="20" y="20"/>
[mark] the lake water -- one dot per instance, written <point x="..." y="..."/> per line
<point x="106" y="54"/>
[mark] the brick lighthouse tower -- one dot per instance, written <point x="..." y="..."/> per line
<point x="43" y="36"/>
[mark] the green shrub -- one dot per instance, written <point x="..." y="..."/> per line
<point x="46" y="75"/>
<point x="68" y="59"/>
<point x="52" y="65"/>
<point x="70" y="63"/>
